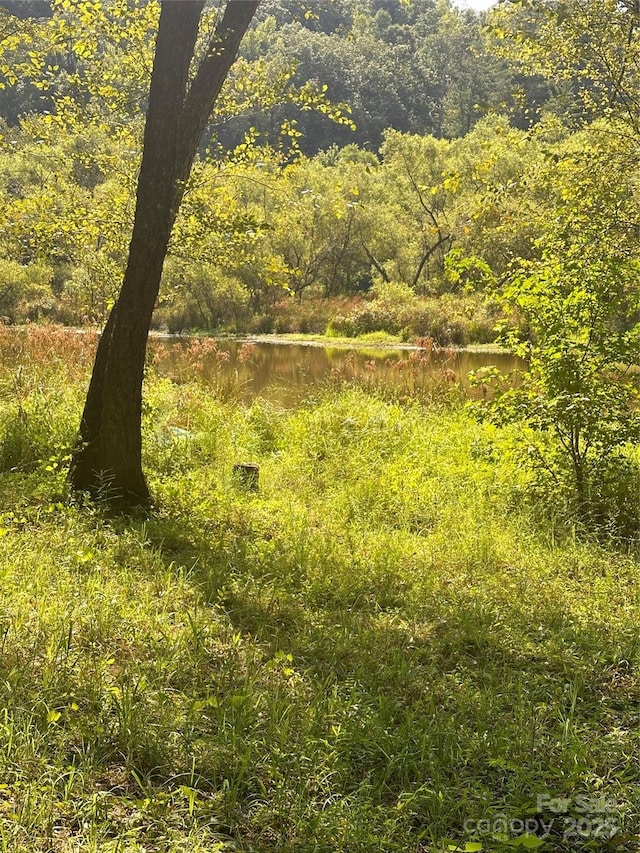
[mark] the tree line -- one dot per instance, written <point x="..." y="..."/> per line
<point x="259" y="240"/>
<point x="302" y="189"/>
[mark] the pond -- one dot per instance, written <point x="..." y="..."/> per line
<point x="285" y="373"/>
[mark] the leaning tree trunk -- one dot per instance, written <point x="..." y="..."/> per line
<point x="109" y="459"/>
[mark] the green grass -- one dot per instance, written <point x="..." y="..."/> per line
<point x="374" y="652"/>
<point x="381" y="339"/>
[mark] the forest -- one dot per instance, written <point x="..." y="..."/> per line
<point x="383" y="168"/>
<point x="384" y="616"/>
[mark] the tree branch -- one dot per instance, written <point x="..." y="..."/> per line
<point x="208" y="82"/>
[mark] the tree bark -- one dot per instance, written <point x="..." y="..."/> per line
<point x="108" y="461"/>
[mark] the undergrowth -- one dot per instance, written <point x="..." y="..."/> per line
<point x="379" y="650"/>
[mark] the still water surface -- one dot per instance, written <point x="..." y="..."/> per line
<point x="286" y="373"/>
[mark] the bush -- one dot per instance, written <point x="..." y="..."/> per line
<point x="447" y="320"/>
<point x="200" y="296"/>
<point x="25" y="291"/>
<point x="308" y="315"/>
<point x="432" y="320"/>
<point x="576" y="401"/>
<point x="392" y="295"/>
<point x="607" y="510"/>
<point x="86" y="292"/>
<point x="262" y="324"/>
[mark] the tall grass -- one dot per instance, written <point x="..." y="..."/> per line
<point x="380" y="650"/>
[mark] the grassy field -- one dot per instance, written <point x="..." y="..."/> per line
<point x="382" y="649"/>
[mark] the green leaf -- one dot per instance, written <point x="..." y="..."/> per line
<point x="530" y="842"/>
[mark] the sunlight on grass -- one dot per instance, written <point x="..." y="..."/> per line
<point x="381" y="649"/>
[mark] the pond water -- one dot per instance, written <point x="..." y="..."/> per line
<point x="285" y="373"/>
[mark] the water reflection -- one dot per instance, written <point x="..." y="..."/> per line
<point x="286" y="373"/>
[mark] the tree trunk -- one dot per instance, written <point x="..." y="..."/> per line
<point x="108" y="462"/>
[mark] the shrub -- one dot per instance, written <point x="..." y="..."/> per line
<point x="576" y="399"/>
<point x="85" y="293"/>
<point x="36" y="430"/>
<point x="262" y="324"/>
<point x="200" y="296"/>
<point x="447" y="320"/>
<point x="392" y="294"/>
<point x="25" y="291"/>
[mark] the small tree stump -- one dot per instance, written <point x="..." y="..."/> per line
<point x="247" y="475"/>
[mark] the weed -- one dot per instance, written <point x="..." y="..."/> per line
<point x="381" y="649"/>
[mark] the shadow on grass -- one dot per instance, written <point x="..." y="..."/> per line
<point x="309" y="713"/>
<point x="451" y="706"/>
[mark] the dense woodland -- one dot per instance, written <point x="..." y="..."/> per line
<point x="383" y="166"/>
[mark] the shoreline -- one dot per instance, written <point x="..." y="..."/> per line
<point x="294" y="339"/>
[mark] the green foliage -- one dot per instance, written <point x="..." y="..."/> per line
<point x="420" y="68"/>
<point x="39" y="382"/>
<point x="578" y="387"/>
<point x="587" y="49"/>
<point x="31" y="435"/>
<point x="201" y="296"/>
<point x="260" y="221"/>
<point x="320" y="665"/>
<point x="394" y="294"/>
<point x="316" y="666"/>
<point x="467" y="273"/>
<point x="446" y="320"/>
<point x="257" y="220"/>
<point x="25" y="290"/>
